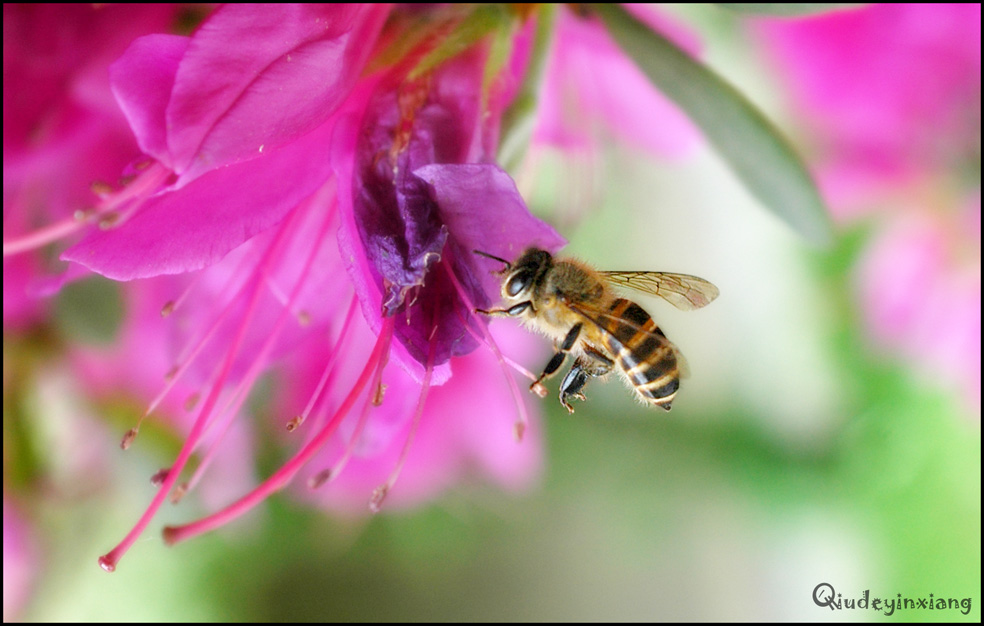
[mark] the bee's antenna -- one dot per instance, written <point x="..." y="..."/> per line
<point x="494" y="258"/>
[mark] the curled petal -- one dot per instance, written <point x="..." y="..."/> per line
<point x="480" y="204"/>
<point x="142" y="80"/>
<point x="291" y="67"/>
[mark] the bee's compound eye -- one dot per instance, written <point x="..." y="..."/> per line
<point x="517" y="283"/>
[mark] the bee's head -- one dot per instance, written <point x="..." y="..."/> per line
<point x="525" y="273"/>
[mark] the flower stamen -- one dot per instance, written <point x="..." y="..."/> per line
<point x="379" y="494"/>
<point x="109" y="560"/>
<point x="280" y="478"/>
<point x="147" y="183"/>
<point x="523" y="420"/>
<point x="316" y="395"/>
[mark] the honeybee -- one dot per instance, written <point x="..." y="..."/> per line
<point x="577" y="306"/>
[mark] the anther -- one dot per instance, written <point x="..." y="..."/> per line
<point x="378" y="495"/>
<point x="168" y="308"/>
<point x="377" y="396"/>
<point x="160" y="476"/>
<point x="83" y="215"/>
<point x="128" y="438"/>
<point x="191" y="401"/>
<point x="294" y="422"/>
<point x="179" y="493"/>
<point x="101" y="188"/>
<point x="109" y="220"/>
<point x="319" y="479"/>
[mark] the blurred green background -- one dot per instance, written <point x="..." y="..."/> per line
<point x="796" y="454"/>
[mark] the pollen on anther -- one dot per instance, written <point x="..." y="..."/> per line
<point x="128" y="438"/>
<point x="101" y="188"/>
<point x="179" y="492"/>
<point x="168" y="308"/>
<point x="377" y="396"/>
<point x="294" y="422"/>
<point x="378" y="495"/>
<point x="109" y="220"/>
<point x="191" y="401"/>
<point x="82" y="215"/>
<point x="319" y="479"/>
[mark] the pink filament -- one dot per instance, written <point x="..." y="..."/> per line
<point x="524" y="420"/>
<point x="141" y="187"/>
<point x="280" y="478"/>
<point x="379" y="494"/>
<point x="109" y="560"/>
<point x="229" y="412"/>
<point x="336" y="469"/>
<point x="323" y="381"/>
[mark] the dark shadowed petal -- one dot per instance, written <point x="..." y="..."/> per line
<point x="397" y="219"/>
<point x="290" y="68"/>
<point x="411" y="242"/>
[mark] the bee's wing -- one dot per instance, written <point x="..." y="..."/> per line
<point x="600" y="319"/>
<point x="683" y="291"/>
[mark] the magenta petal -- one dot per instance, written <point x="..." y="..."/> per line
<point x="197" y="225"/>
<point x="482" y="207"/>
<point x="142" y="80"/>
<point x="290" y="68"/>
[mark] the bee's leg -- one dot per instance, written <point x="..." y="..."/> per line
<point x="513" y="311"/>
<point x="592" y="363"/>
<point x="558" y="358"/>
<point x="573" y="385"/>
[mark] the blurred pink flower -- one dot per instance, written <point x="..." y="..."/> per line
<point x="592" y="89"/>
<point x="60" y="123"/>
<point x="891" y="91"/>
<point x="264" y="135"/>
<point x="920" y="290"/>
<point x="891" y="96"/>
<point x="20" y="562"/>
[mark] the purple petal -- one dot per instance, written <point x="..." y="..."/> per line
<point x="290" y="68"/>
<point x="482" y="208"/>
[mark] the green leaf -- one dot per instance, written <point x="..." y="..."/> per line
<point x="90" y="310"/>
<point x="520" y="118"/>
<point x="789" y="10"/>
<point x="482" y="20"/>
<point x="742" y="135"/>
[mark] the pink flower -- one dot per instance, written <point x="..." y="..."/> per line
<point x="264" y="136"/>
<point x="921" y="295"/>
<point x="20" y="562"/>
<point x="892" y="96"/>
<point x="591" y="89"/>
<point x="60" y="123"/>
<point x="892" y="91"/>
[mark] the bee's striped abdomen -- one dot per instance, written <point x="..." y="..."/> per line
<point x="642" y="352"/>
